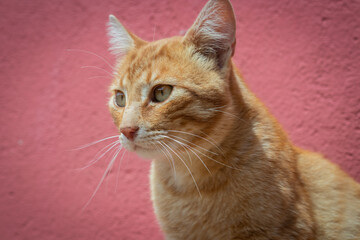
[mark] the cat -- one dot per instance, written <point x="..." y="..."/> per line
<point x="222" y="168"/>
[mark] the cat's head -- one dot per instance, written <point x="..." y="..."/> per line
<point x="169" y="94"/>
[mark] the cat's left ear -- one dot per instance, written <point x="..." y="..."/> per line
<point x="121" y="40"/>
<point x="213" y="32"/>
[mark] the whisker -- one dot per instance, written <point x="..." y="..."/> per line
<point x="207" y="156"/>
<point x="215" y="108"/>
<point x="103" y="177"/>
<point x="206" y="135"/>
<point x="97" y="77"/>
<point x="110" y="170"/>
<point x="199" y="159"/>
<point x="171" y="159"/>
<point x="99" y="68"/>
<point x="96" y="159"/>
<point x="197" y="187"/>
<point x="154" y="33"/>
<point x="118" y="170"/>
<point x="90" y="144"/>
<point x="216" y="160"/>
<point x="195" y="135"/>
<point x="190" y="148"/>
<point x="181" y="144"/>
<point x="92" y="53"/>
<point x="194" y="144"/>
<point x="187" y="153"/>
<point x="230" y="114"/>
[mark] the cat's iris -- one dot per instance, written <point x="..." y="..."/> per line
<point x="120" y="99"/>
<point x="161" y="93"/>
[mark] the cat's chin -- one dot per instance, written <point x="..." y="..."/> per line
<point x="146" y="153"/>
<point x="142" y="152"/>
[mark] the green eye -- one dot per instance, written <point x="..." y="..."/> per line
<point x="120" y="99"/>
<point x="161" y="93"/>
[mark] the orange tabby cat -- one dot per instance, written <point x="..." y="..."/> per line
<point x="223" y="167"/>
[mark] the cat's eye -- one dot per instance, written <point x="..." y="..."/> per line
<point x="120" y="99"/>
<point x="161" y="93"/>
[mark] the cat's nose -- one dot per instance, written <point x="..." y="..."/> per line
<point x="129" y="132"/>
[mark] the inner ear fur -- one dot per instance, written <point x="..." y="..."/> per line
<point x="213" y="32"/>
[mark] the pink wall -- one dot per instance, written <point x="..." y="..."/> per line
<point x="300" y="57"/>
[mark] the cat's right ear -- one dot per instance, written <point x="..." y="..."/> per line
<point x="213" y="32"/>
<point x="121" y="41"/>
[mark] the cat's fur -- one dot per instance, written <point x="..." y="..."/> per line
<point x="231" y="173"/>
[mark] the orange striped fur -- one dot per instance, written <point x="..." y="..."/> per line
<point x="223" y="168"/>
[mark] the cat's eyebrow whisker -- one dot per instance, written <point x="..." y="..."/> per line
<point x="111" y="163"/>
<point x="197" y="187"/>
<point x="96" y="158"/>
<point x="195" y="135"/>
<point x="99" y="68"/>
<point x="92" y="53"/>
<point x="190" y="148"/>
<point x="90" y="144"/>
<point x="171" y="159"/>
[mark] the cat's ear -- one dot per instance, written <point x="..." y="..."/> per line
<point x="121" y="41"/>
<point x="213" y="32"/>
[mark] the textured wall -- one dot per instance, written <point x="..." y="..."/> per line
<point x="300" y="57"/>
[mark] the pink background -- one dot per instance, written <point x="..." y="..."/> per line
<point x="300" y="57"/>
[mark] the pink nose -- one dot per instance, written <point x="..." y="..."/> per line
<point x="129" y="132"/>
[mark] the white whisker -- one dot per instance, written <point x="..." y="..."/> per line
<point x="197" y="187"/>
<point x="200" y="159"/>
<point x="90" y="144"/>
<point x="97" y="77"/>
<point x="103" y="177"/>
<point x="195" y="135"/>
<point x="190" y="148"/>
<point x="92" y="53"/>
<point x="171" y="159"/>
<point x="154" y="33"/>
<point x="118" y="170"/>
<point x="213" y="140"/>
<point x="96" y="67"/>
<point x="230" y="114"/>
<point x="215" y="108"/>
<point x="96" y="159"/>
<point x="187" y="153"/>
<point x="194" y="144"/>
<point x="216" y="160"/>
